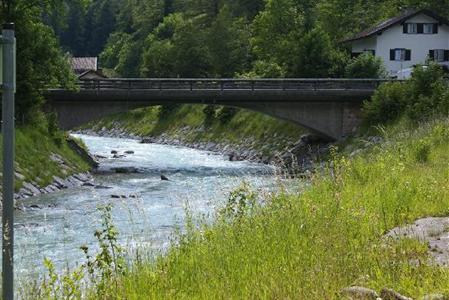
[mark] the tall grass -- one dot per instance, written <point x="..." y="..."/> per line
<point x="34" y="146"/>
<point x="312" y="245"/>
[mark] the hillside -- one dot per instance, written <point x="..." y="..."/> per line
<point x="243" y="134"/>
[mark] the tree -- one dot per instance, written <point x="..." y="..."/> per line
<point x="366" y="66"/>
<point x="41" y="62"/>
<point x="228" y="44"/>
<point x="314" y="57"/>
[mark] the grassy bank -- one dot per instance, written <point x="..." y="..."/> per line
<point x="189" y="123"/>
<point x="34" y="151"/>
<point x="312" y="245"/>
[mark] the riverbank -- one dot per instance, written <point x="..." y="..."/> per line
<point x="244" y="136"/>
<point x="46" y="164"/>
<point x="315" y="244"/>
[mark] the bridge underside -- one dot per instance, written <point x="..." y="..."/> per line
<point x="331" y="113"/>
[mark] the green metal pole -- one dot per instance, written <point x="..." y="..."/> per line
<point x="8" y="41"/>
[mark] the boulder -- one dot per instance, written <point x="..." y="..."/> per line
<point x="359" y="293"/>
<point x="129" y="152"/>
<point x="125" y="170"/>
<point x="102" y="187"/>
<point x="114" y="151"/>
<point x="435" y="297"/>
<point x="164" y="178"/>
<point x="59" y="182"/>
<point x="31" y="188"/>
<point x="389" y="294"/>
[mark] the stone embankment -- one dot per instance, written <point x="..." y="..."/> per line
<point x="298" y="156"/>
<point x="30" y="188"/>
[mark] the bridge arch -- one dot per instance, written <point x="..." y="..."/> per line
<point x="329" y="107"/>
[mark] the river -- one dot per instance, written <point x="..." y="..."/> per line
<point x="152" y="209"/>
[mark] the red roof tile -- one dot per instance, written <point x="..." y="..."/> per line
<point x="82" y="64"/>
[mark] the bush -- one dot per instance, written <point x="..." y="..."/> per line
<point x="366" y="66"/>
<point x="425" y="95"/>
<point x="387" y="104"/>
<point x="168" y="109"/>
<point x="225" y="114"/>
<point x="429" y="95"/>
<point x="264" y="69"/>
<point x="422" y="151"/>
<point x="209" y="115"/>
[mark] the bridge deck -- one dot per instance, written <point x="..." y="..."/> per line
<point x="229" y="84"/>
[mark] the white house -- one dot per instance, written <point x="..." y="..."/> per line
<point x="406" y="40"/>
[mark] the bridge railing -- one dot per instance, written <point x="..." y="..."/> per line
<point x="194" y="84"/>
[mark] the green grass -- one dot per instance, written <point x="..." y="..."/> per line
<point x="261" y="130"/>
<point x="33" y="149"/>
<point x="311" y="245"/>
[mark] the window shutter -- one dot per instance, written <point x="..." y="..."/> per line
<point x="408" y="55"/>
<point x="405" y="28"/>
<point x="420" y="28"/>
<point x="392" y="52"/>
<point x="435" y="28"/>
<point x="432" y="54"/>
<point x="446" y="55"/>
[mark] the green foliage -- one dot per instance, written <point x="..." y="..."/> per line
<point x="53" y="129"/>
<point x="314" y="57"/>
<point x="424" y="96"/>
<point x="209" y="112"/>
<point x="264" y="69"/>
<point x="228" y="44"/>
<point x="168" y="109"/>
<point x="225" y="114"/>
<point x="387" y="104"/>
<point x="108" y="264"/>
<point x="241" y="203"/>
<point x="67" y="286"/>
<point x="366" y="66"/>
<point x="422" y="151"/>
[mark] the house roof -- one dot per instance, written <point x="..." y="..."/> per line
<point x="84" y="63"/>
<point x="408" y="14"/>
<point x="89" y="74"/>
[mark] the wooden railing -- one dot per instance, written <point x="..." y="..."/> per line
<point x="194" y="84"/>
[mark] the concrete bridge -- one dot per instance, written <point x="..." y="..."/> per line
<point x="330" y="107"/>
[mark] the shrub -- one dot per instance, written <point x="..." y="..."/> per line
<point x="423" y="96"/>
<point x="429" y="97"/>
<point x="264" y="69"/>
<point x="422" y="151"/>
<point x="209" y="115"/>
<point x="366" y="66"/>
<point x="226" y="113"/>
<point x="168" y="109"/>
<point x="387" y="104"/>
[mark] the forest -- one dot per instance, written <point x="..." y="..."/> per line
<point x="217" y="38"/>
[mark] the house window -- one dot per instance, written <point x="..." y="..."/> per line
<point x="428" y="28"/>
<point x="421" y="28"/>
<point x="439" y="55"/>
<point x="368" y="51"/>
<point x="412" y="28"/>
<point x="400" y="54"/>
